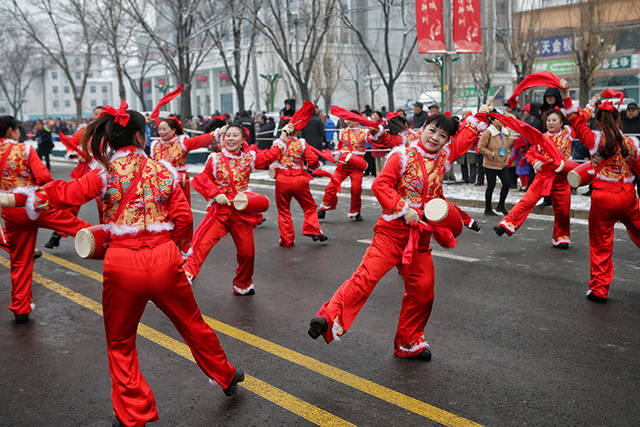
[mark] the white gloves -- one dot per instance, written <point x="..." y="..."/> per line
<point x="221" y="199"/>
<point x="7" y="199"/>
<point x="411" y="216"/>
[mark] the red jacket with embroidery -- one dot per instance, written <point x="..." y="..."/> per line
<point x="354" y="140"/>
<point x="175" y="150"/>
<point x="220" y="178"/>
<point x="296" y="157"/>
<point x="401" y="184"/>
<point x="158" y="206"/>
<point x="614" y="169"/>
<point x="562" y="140"/>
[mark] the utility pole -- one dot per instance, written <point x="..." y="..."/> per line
<point x="447" y="68"/>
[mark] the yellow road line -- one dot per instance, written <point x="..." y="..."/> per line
<point x="366" y="386"/>
<point x="279" y="397"/>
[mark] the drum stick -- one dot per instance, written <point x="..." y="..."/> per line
<point x="4" y="239"/>
<point x="495" y="95"/>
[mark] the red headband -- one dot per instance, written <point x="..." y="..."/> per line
<point x="177" y="120"/>
<point x="120" y="115"/>
<point x="392" y="115"/>
<point x="608" y="93"/>
<point x="220" y="117"/>
<point x="606" y="106"/>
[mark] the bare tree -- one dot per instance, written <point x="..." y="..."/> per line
<point x="145" y="62"/>
<point x="241" y="32"/>
<point x="19" y="71"/>
<point x="520" y="39"/>
<point x="62" y="31"/>
<point x="296" y="35"/>
<point x="390" y="55"/>
<point x="592" y="38"/>
<point x="181" y="34"/>
<point x="330" y="68"/>
<point x="481" y="72"/>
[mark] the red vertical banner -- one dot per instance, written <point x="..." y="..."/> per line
<point x="429" y="26"/>
<point x="467" y="32"/>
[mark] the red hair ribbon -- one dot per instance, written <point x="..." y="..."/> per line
<point x="220" y="117"/>
<point x="120" y="115"/>
<point x="392" y="115"/>
<point x="177" y="120"/>
<point x="448" y="114"/>
<point x="608" y="93"/>
<point x="246" y="132"/>
<point x="606" y="106"/>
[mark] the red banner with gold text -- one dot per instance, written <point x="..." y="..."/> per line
<point x="429" y="26"/>
<point x="467" y="33"/>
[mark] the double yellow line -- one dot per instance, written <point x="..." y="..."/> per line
<point x="273" y="394"/>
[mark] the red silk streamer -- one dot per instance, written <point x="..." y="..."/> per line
<point x="531" y="134"/>
<point x="321" y="172"/>
<point x="301" y="117"/>
<point x="607" y="106"/>
<point x="348" y="115"/>
<point x="164" y="101"/>
<point x="442" y="235"/>
<point x="326" y="154"/>
<point x="540" y="78"/>
<point x="608" y="93"/>
<point x="120" y="115"/>
<point x="285" y="118"/>
<point x="67" y="143"/>
<point x="391" y="115"/>
<point x="429" y="26"/>
<point x="467" y="32"/>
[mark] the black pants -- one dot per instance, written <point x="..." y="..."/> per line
<point x="491" y="175"/>
<point x="371" y="164"/>
<point x="44" y="155"/>
<point x="480" y="169"/>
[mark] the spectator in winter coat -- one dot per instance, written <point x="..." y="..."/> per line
<point x="45" y="142"/>
<point x="313" y="132"/>
<point x="630" y="119"/>
<point x="419" y="116"/>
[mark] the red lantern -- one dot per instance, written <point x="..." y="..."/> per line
<point x="146" y="83"/>
<point x="223" y="76"/>
<point x="202" y="78"/>
<point x="161" y="82"/>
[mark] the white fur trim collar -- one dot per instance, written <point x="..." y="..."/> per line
<point x="596" y="144"/>
<point x="30" y="204"/>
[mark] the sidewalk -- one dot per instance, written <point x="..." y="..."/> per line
<point x="464" y="195"/>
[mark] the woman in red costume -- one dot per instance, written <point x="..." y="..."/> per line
<point x="22" y="170"/>
<point x="292" y="181"/>
<point x="411" y="177"/>
<point x="225" y="175"/>
<point x="547" y="181"/>
<point x="174" y="146"/>
<point x="142" y="262"/>
<point x="614" y="158"/>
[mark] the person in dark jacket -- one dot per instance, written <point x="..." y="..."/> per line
<point x="552" y="99"/>
<point x="313" y="132"/>
<point x="630" y="119"/>
<point x="45" y="143"/>
<point x="419" y="115"/>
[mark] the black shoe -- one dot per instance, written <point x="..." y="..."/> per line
<point x="499" y="230"/>
<point x="489" y="212"/>
<point x="543" y="204"/>
<point x="317" y="327"/>
<point x="424" y="355"/>
<point x="37" y="253"/>
<point x="321" y="213"/>
<point x="502" y="210"/>
<point x="563" y="245"/>
<point x="475" y="226"/>
<point x="22" y="318"/>
<point x="358" y="217"/>
<point x="319" y="237"/>
<point x="595" y="298"/>
<point x="116" y="423"/>
<point x="233" y="387"/>
<point x="54" y="241"/>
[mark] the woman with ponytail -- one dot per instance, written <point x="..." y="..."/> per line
<point x="173" y="147"/>
<point x="148" y="220"/>
<point x="21" y="171"/>
<point x="614" y="158"/>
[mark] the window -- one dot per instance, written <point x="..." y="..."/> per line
<point x="54" y="75"/>
<point x="78" y="76"/>
<point x="54" y="89"/>
<point x="105" y="89"/>
<point x="67" y="103"/>
<point x="92" y="89"/>
<point x="67" y="89"/>
<point x="105" y="102"/>
<point x="89" y="74"/>
<point x="56" y="104"/>
<point x="94" y="103"/>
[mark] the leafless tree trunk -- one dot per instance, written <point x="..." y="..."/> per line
<point x="389" y="57"/>
<point x="63" y="33"/>
<point x="145" y="64"/>
<point x="329" y="69"/>
<point x="296" y="35"/>
<point x="591" y="41"/>
<point x="181" y="34"/>
<point x="19" y="71"/>
<point x="481" y="73"/>
<point x="241" y="31"/>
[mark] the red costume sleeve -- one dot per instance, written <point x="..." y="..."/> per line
<point x="39" y="170"/>
<point x="263" y="158"/>
<point x="203" y="182"/>
<point x="467" y="135"/>
<point x="388" y="141"/>
<point x="180" y="215"/>
<point x="199" y="141"/>
<point x="578" y="122"/>
<point x="384" y="188"/>
<point x="64" y="195"/>
<point x="533" y="155"/>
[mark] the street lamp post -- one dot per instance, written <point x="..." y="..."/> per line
<point x="439" y="61"/>
<point x="272" y="80"/>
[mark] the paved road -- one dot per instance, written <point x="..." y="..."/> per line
<point x="514" y="340"/>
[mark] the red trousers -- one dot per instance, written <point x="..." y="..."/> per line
<point x="608" y="206"/>
<point x="560" y="199"/>
<point x="386" y="252"/>
<point x="219" y="221"/>
<point x="296" y="187"/>
<point x="186" y="185"/>
<point x="131" y="279"/>
<point x="21" y="234"/>
<point x="330" y="200"/>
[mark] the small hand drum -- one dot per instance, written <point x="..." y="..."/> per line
<point x="582" y="175"/>
<point x="251" y="202"/>
<point x="90" y="242"/>
<point x="442" y="213"/>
